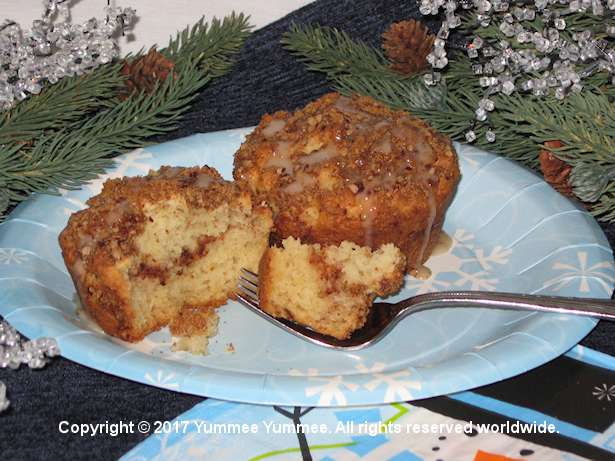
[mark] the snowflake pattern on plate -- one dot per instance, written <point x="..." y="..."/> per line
<point x="397" y="383"/>
<point x="12" y="256"/>
<point x="162" y="379"/>
<point x="332" y="389"/>
<point x="466" y="265"/>
<point x="580" y="273"/>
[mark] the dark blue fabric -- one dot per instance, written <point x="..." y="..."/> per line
<point x="265" y="79"/>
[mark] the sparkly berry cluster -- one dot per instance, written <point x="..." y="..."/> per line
<point x="14" y="352"/>
<point x="538" y="47"/>
<point x="54" y="48"/>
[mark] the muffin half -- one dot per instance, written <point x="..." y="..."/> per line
<point x="164" y="249"/>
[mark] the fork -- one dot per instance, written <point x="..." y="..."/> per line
<point x="384" y="316"/>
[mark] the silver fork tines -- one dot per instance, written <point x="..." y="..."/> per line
<point x="384" y="316"/>
<point x="248" y="286"/>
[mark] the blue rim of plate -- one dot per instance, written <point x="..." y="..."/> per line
<point x="512" y="232"/>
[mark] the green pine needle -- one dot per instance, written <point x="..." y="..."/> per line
<point x="333" y="52"/>
<point x="57" y="160"/>
<point x="61" y="104"/>
<point x="128" y="124"/>
<point x="70" y="132"/>
<point x="399" y="93"/>
<point x="209" y="46"/>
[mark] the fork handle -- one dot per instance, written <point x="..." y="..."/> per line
<point x="592" y="307"/>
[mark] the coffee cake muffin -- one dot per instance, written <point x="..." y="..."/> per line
<point x="351" y="169"/>
<point x="164" y="249"/>
<point x="328" y="288"/>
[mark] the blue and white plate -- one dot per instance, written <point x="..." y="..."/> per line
<point x="510" y="230"/>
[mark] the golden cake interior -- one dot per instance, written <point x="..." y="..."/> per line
<point x="330" y="288"/>
<point x="163" y="250"/>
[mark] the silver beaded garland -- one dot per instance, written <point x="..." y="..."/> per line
<point x="549" y="62"/>
<point x="54" y="48"/>
<point x="14" y="352"/>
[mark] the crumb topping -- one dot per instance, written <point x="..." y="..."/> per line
<point x="360" y="145"/>
<point x="351" y="169"/>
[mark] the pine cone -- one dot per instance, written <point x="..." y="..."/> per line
<point x="555" y="171"/>
<point x="407" y="44"/>
<point x="145" y="72"/>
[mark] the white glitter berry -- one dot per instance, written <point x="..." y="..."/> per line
<point x="14" y="352"/>
<point x="549" y="63"/>
<point x="470" y="136"/>
<point x="54" y="48"/>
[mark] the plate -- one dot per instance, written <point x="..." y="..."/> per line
<point x="510" y="230"/>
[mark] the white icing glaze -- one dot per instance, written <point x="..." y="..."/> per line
<point x="417" y="162"/>
<point x="424" y="152"/>
<point x="368" y="214"/>
<point x="320" y="156"/>
<point x="274" y="127"/>
<point x="382" y="124"/>
<point x="443" y="245"/>
<point x="280" y="158"/>
<point x="171" y="172"/>
<point x="423" y="158"/>
<point x="302" y="181"/>
<point x="284" y="163"/>
<point x="421" y="272"/>
<point x="118" y="212"/>
<point x="413" y="138"/>
<point x="431" y="201"/>
<point x="79" y="269"/>
<point x="384" y="145"/>
<point x="344" y="104"/>
<point x="85" y="240"/>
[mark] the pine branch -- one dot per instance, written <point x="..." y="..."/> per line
<point x="584" y="123"/>
<point x="605" y="208"/>
<point x="65" y="158"/>
<point x="400" y="93"/>
<point x="209" y="46"/>
<point x="131" y="122"/>
<point x="66" y="102"/>
<point x="333" y="52"/>
<point x="57" y="160"/>
<point x="355" y="67"/>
